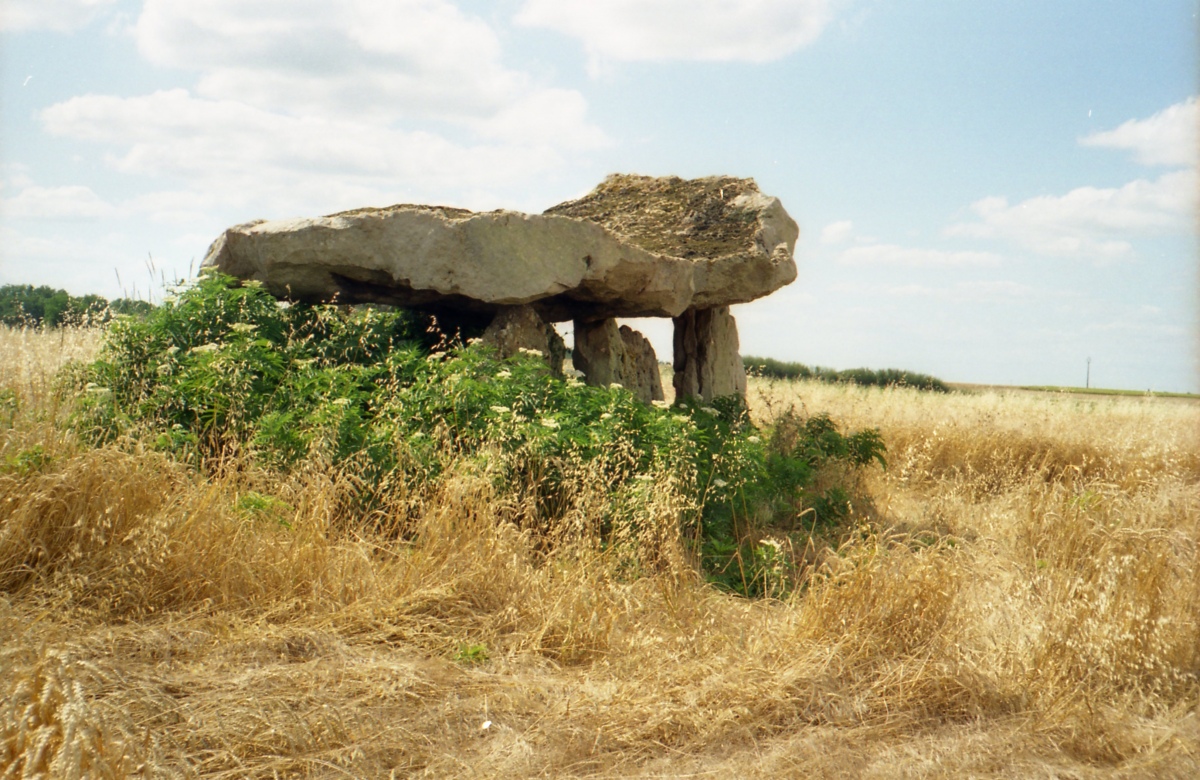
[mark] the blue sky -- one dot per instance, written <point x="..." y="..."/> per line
<point x="989" y="192"/>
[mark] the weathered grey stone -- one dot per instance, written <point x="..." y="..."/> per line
<point x="636" y="246"/>
<point x="607" y="354"/>
<point x="516" y="328"/>
<point x="707" y="362"/>
<point x="641" y="366"/>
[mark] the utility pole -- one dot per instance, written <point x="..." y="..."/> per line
<point x="1088" y="385"/>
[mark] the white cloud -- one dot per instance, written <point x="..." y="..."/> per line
<point x="1097" y="222"/>
<point x="57" y="15"/>
<point x="1170" y="137"/>
<point x="837" y="232"/>
<point x="911" y="257"/>
<point x="80" y="265"/>
<point x="382" y="59"/>
<point x="71" y="202"/>
<point x="238" y="154"/>
<point x="548" y="117"/>
<point x="305" y="107"/>
<point x="713" y="30"/>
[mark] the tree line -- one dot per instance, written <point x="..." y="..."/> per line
<point x="778" y="369"/>
<point x="26" y="306"/>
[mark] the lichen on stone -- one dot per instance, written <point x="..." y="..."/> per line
<point x="689" y="218"/>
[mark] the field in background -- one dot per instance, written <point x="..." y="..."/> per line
<point x="1058" y="390"/>
<point x="1021" y="598"/>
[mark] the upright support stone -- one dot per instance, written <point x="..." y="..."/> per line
<point x="608" y="354"/>
<point x="641" y="366"/>
<point x="707" y="362"/>
<point x="520" y="327"/>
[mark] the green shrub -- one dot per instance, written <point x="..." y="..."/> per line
<point x="392" y="404"/>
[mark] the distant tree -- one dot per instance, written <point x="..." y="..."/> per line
<point x="23" y="305"/>
<point x="778" y="369"/>
<point x="130" y="306"/>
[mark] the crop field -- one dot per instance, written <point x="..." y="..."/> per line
<point x="1017" y="594"/>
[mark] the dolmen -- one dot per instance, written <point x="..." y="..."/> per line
<point x="636" y="246"/>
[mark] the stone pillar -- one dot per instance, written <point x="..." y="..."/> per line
<point x="607" y="354"/>
<point x="641" y="366"/>
<point x="520" y="327"/>
<point x="707" y="362"/>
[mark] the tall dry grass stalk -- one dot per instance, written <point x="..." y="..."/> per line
<point x="1022" y="600"/>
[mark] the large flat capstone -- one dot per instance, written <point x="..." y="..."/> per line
<point x="636" y="246"/>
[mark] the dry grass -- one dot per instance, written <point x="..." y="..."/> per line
<point x="1023" y="600"/>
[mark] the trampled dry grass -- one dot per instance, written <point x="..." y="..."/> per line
<point x="1022" y="600"/>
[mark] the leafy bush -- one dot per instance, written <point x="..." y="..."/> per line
<point x="384" y="398"/>
<point x="778" y="369"/>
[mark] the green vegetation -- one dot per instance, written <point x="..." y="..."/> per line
<point x="887" y="377"/>
<point x="224" y="373"/>
<point x="1102" y="391"/>
<point x="23" y="305"/>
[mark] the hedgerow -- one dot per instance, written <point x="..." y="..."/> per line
<point x="886" y="377"/>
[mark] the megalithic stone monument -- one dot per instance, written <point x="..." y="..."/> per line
<point x="636" y="246"/>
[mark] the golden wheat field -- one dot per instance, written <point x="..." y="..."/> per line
<point x="1020" y="598"/>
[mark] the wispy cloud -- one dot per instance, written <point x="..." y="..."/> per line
<point x="837" y="232"/>
<point x="55" y="15"/>
<point x="1170" y="137"/>
<point x="280" y="162"/>
<point x="70" y="202"/>
<point x="711" y="30"/>
<point x="1087" y="221"/>
<point x="915" y="257"/>
<point x="977" y="291"/>
<point x="306" y="107"/>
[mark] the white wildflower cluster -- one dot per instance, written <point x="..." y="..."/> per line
<point x="708" y="410"/>
<point x="474" y="341"/>
<point x="772" y="543"/>
<point x="661" y="404"/>
<point x="606" y="416"/>
<point x="531" y="352"/>
<point x="720" y="483"/>
<point x="549" y="422"/>
<point x="615" y="386"/>
<point x="253" y="284"/>
<point x="753" y="439"/>
<point x="212" y="346"/>
<point x="244" y="327"/>
<point x="283" y="304"/>
<point x="504" y="374"/>
<point x="341" y="402"/>
<point x="501" y="409"/>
